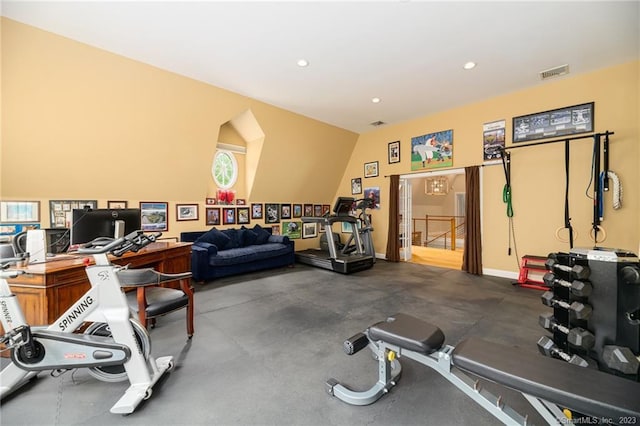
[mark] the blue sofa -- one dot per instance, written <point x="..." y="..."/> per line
<point x="220" y="253"/>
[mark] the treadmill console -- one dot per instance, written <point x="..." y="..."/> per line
<point x="343" y="206"/>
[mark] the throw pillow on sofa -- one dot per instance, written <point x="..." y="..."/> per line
<point x="248" y="237"/>
<point x="215" y="237"/>
<point x="262" y="236"/>
<point x="235" y="237"/>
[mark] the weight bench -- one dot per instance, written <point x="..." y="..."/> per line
<point x="549" y="385"/>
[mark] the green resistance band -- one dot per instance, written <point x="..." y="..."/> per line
<point x="506" y="198"/>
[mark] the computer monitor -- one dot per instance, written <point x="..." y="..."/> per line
<point x="89" y="224"/>
<point x="343" y="206"/>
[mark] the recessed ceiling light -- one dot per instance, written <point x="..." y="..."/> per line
<point x="375" y="100"/>
<point x="303" y="63"/>
<point x="469" y="65"/>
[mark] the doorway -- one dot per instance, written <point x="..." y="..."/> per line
<point x="432" y="216"/>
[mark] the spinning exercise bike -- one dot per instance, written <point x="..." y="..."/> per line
<point x="115" y="347"/>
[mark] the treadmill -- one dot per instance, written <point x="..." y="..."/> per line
<point x="334" y="258"/>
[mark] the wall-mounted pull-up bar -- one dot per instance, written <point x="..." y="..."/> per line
<point x="607" y="133"/>
<point x="597" y="198"/>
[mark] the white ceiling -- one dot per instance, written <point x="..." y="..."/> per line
<point x="408" y="53"/>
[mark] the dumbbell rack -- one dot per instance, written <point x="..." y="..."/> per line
<point x="613" y="308"/>
<point x="529" y="267"/>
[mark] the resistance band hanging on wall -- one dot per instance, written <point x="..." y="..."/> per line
<point x="601" y="185"/>
<point x="567" y="217"/>
<point x="506" y="198"/>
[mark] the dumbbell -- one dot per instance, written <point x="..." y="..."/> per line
<point x="576" y="309"/>
<point x="577" y="287"/>
<point x="577" y="336"/>
<point x="577" y="271"/>
<point x="547" y="347"/>
<point x="620" y="358"/>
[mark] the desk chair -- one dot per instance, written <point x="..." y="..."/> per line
<point x="151" y="299"/>
<point x="6" y="251"/>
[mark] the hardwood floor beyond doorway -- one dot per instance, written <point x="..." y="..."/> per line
<point x="437" y="257"/>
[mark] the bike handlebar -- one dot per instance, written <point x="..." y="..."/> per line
<point x="132" y="242"/>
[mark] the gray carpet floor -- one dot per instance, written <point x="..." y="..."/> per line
<point x="266" y="342"/>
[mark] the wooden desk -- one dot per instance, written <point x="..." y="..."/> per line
<point x="48" y="289"/>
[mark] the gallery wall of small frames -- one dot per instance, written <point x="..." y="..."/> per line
<point x="284" y="218"/>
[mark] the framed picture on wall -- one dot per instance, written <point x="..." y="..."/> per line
<point x="60" y="210"/>
<point x="308" y="210"/>
<point x="371" y="169"/>
<point x="186" y="212"/>
<point x="297" y="210"/>
<point x="243" y="215"/>
<point x="356" y="186"/>
<point x="154" y="215"/>
<point x="272" y="213"/>
<point x="117" y="204"/>
<point x="20" y="211"/>
<point x="256" y="211"/>
<point x="309" y="230"/>
<point x="394" y="152"/>
<point x="213" y="216"/>
<point x="285" y="211"/>
<point x="292" y="229"/>
<point x="228" y="216"/>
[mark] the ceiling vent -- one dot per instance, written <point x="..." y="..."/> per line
<point x="554" y="72"/>
<point x="377" y="123"/>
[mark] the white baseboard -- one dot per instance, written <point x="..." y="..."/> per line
<point x="500" y="273"/>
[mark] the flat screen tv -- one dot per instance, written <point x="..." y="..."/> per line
<point x="89" y="224"/>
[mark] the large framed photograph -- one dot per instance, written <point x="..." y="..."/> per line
<point x="554" y="123"/>
<point x="20" y="211"/>
<point x="154" y="216"/>
<point x="186" y="212"/>
<point x="394" y="152"/>
<point x="371" y="169"/>
<point x="432" y="150"/>
<point x="60" y="210"/>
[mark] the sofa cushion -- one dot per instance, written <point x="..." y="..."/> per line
<point x="248" y="237"/>
<point x="262" y="236"/>
<point x="218" y="238"/>
<point x="248" y="254"/>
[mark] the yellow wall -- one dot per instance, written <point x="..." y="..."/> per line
<point x="538" y="176"/>
<point x="82" y="123"/>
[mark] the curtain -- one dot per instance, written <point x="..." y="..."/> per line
<point x="472" y="256"/>
<point x="393" y="239"/>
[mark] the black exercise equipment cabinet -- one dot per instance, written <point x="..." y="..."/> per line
<point x="595" y="296"/>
